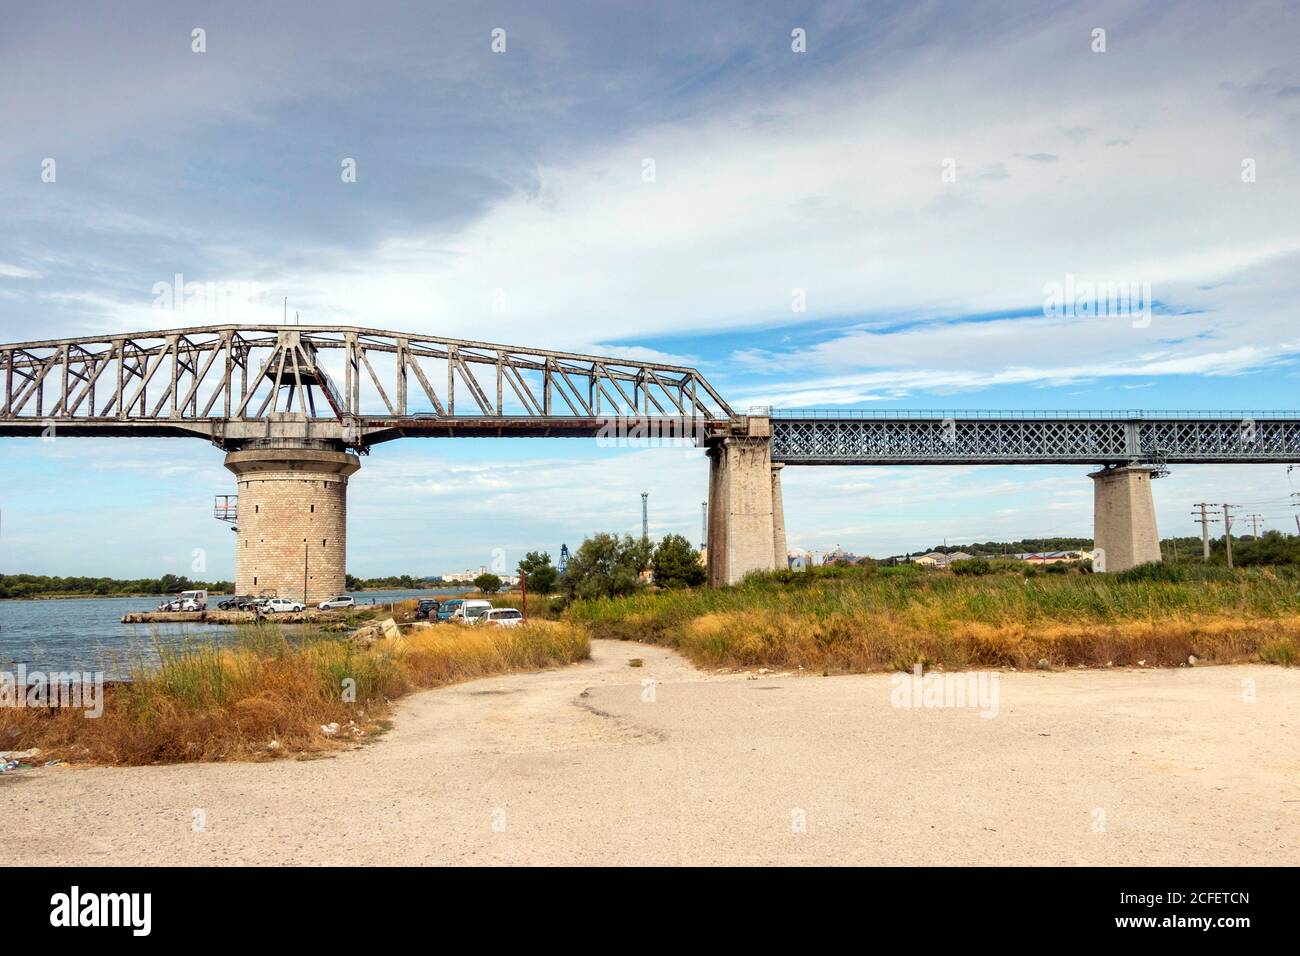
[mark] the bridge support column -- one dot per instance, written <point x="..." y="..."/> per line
<point x="742" y="535"/>
<point x="292" y="520"/>
<point x="1124" y="518"/>
<point x="780" y="551"/>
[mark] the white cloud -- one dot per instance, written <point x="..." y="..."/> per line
<point x="834" y="188"/>
<point x="837" y="190"/>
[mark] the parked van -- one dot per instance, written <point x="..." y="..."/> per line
<point x="187" y="601"/>
<point x="469" y="611"/>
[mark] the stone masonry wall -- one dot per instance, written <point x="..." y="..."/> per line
<point x="292" y="521"/>
<point x="1124" y="518"/>
<point x="292" y="526"/>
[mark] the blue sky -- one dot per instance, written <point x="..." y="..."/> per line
<point x="504" y="196"/>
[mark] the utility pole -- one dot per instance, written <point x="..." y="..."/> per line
<point x="704" y="524"/>
<point x="1205" y="520"/>
<point x="645" y="516"/>
<point x="1227" y="531"/>
<point x="1254" y="523"/>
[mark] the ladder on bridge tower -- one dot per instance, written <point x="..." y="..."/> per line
<point x="226" y="508"/>
<point x="1158" y="462"/>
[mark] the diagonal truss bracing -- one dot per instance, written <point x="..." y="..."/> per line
<point x="1017" y="439"/>
<point x="356" y="383"/>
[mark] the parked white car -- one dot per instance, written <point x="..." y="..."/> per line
<point x="187" y="601"/>
<point x="469" y="612"/>
<point x="281" y="605"/>
<point x="336" y="602"/>
<point x="501" y="617"/>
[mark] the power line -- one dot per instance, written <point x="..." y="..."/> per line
<point x="1205" y="521"/>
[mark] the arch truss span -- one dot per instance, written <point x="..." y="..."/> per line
<point x="236" y="384"/>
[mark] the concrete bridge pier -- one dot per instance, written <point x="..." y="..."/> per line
<point x="1124" y="518"/>
<point x="780" y="551"/>
<point x="746" y="520"/>
<point x="292" y="519"/>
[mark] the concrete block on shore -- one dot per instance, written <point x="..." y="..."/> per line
<point x="219" y="617"/>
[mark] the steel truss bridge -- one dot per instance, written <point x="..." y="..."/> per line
<point x="856" y="437"/>
<point x="237" y="385"/>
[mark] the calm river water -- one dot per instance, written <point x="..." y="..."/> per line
<point x="86" y="634"/>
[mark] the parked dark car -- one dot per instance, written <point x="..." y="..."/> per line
<point x="427" y="610"/>
<point x="237" y="602"/>
<point x="249" y="602"/>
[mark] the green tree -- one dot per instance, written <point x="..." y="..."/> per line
<point x="676" y="563"/>
<point x="540" y="573"/>
<point x="488" y="583"/>
<point x="606" y="566"/>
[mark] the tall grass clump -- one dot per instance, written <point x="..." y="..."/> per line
<point x="859" y="619"/>
<point x="270" y="694"/>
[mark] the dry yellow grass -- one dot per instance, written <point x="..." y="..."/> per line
<point x="888" y="622"/>
<point x="889" y="642"/>
<point x="268" y="698"/>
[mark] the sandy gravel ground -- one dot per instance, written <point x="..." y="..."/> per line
<point x="576" y="766"/>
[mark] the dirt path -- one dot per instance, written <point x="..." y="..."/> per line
<point x="579" y="766"/>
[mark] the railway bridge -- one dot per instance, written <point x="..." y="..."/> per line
<point x="295" y="408"/>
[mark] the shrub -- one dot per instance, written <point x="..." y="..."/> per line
<point x="972" y="566"/>
<point x="606" y="566"/>
<point x="488" y="583"/>
<point x="907" y="570"/>
<point x="540" y="574"/>
<point x="1175" y="573"/>
<point x="677" y="564"/>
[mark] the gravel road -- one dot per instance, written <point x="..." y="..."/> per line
<point x="588" y="765"/>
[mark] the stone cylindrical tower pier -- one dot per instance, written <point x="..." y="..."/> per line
<point x="292" y="519"/>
